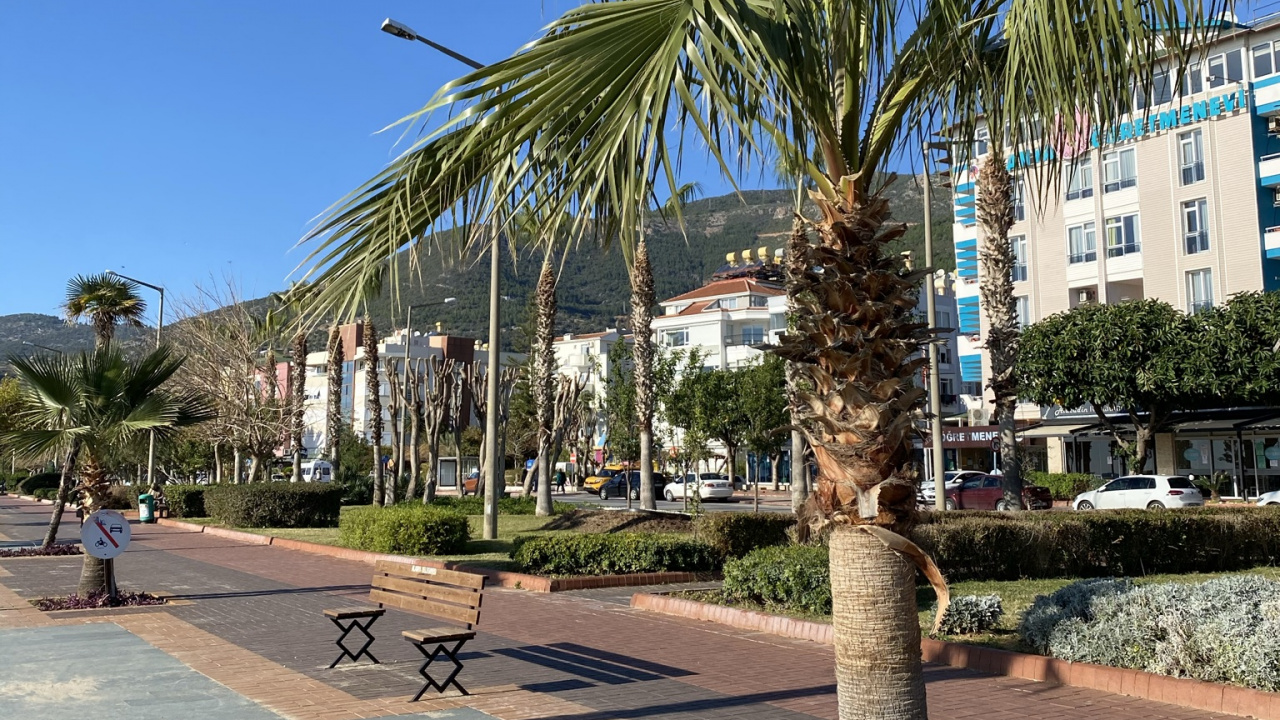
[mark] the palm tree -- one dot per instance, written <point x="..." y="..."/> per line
<point x="333" y="414"/>
<point x="600" y="107"/>
<point x="107" y="301"/>
<point x="373" y="389"/>
<point x="86" y="406"/>
<point x="544" y="369"/>
<point x="297" y="397"/>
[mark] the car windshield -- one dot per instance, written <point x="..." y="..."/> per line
<point x="1181" y="483"/>
<point x="712" y="476"/>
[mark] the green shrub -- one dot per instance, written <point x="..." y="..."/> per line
<point x="612" y="554"/>
<point x="290" y="505"/>
<point x="736" y="534"/>
<point x="1064" y="486"/>
<point x="408" y="529"/>
<point x="45" y="493"/>
<point x="1009" y="546"/>
<point x="474" y="505"/>
<point x="357" y="487"/>
<point x="186" y="501"/>
<point x="791" y="577"/>
<point x="971" y="614"/>
<point x="120" y="497"/>
<point x="31" y="483"/>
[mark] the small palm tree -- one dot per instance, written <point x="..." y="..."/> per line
<point x="107" y="301"/>
<point x="372" y="388"/>
<point x="84" y="407"/>
<point x="333" y="412"/>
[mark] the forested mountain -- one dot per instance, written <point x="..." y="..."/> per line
<point x="50" y="331"/>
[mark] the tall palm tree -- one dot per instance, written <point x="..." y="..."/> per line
<point x="544" y="370"/>
<point x="107" y="301"/>
<point x="373" y="389"/>
<point x="297" y="397"/>
<point x="86" y="406"/>
<point x="333" y="411"/>
<point x="603" y="104"/>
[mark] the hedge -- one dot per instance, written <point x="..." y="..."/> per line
<point x="474" y="505"/>
<point x="289" y="505"/>
<point x="409" y="529"/>
<point x="1063" y="486"/>
<point x="738" y="533"/>
<point x="1009" y="546"/>
<point x="792" y="577"/>
<point x="612" y="554"/>
<point x="28" y="485"/>
<point x="186" y="501"/>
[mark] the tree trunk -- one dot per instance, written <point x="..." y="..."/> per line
<point x="65" y="483"/>
<point x="544" y="370"/>
<point x="298" y="393"/>
<point x="238" y="464"/>
<point x="796" y="267"/>
<point x="93" y="577"/>
<point x="876" y="629"/>
<point x="253" y="468"/>
<point x="217" y="463"/>
<point x="384" y="493"/>
<point x="642" y="300"/>
<point x="773" y="469"/>
<point x="995" y="216"/>
<point x="414" y="410"/>
<point x="799" y="484"/>
<point x="333" y="415"/>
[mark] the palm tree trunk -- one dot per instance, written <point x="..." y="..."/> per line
<point x="384" y="493"/>
<point x="333" y="414"/>
<point x="65" y="483"/>
<point x="298" y="393"/>
<point x="238" y="464"/>
<point x="773" y="470"/>
<point x="93" y="574"/>
<point x="544" y="369"/>
<point x="796" y="267"/>
<point x="995" y="216"/>
<point x="642" y="300"/>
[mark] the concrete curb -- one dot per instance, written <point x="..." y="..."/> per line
<point x="1211" y="697"/>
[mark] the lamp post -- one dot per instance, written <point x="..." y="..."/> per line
<point x="42" y="347"/>
<point x="404" y="406"/>
<point x="931" y="316"/>
<point x="490" y="531"/>
<point x="151" y="447"/>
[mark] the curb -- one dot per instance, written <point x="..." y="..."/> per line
<point x="500" y="578"/>
<point x="1185" y="692"/>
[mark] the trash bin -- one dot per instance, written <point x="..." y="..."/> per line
<point x="146" y="508"/>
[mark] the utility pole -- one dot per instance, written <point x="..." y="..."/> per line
<point x="931" y="316"/>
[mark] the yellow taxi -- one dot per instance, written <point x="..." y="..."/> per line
<point x="601" y="476"/>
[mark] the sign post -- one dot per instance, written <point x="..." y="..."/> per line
<point x="105" y="534"/>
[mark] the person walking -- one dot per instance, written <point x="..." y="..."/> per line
<point x="560" y="480"/>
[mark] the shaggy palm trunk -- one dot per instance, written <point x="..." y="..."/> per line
<point x="544" y="369"/>
<point x="642" y="300"/>
<point x="855" y="337"/>
<point x="796" y="257"/>
<point x="93" y="574"/>
<point x="65" y="483"/>
<point x="383" y="492"/>
<point x="995" y="216"/>
<point x="298" y="394"/>
<point x="333" y="416"/>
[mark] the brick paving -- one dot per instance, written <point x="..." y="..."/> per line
<point x="250" y="618"/>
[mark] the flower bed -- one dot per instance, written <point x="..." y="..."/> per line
<point x="51" y="551"/>
<point x="96" y="601"/>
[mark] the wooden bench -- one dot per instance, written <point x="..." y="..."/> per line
<point x="445" y="594"/>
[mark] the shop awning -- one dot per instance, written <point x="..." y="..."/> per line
<point x="1044" y="431"/>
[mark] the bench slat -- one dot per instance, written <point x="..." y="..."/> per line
<point x="354" y="612"/>
<point x="448" y="577"/>
<point x="438" y="635"/>
<point x="426" y="607"/>
<point x="428" y="591"/>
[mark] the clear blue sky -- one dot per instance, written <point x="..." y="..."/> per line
<point x="180" y="141"/>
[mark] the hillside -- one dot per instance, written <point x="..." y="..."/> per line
<point x="49" y="331"/>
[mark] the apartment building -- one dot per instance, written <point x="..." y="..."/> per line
<point x="586" y="356"/>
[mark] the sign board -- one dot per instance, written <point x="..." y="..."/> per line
<point x="974" y="436"/>
<point x="105" y="534"/>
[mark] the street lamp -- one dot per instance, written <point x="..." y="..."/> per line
<point x="404" y="406"/>
<point x="42" y="347"/>
<point x="931" y="316"/>
<point x="490" y="531"/>
<point x="151" y="448"/>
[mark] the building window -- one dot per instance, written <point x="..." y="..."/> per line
<point x="1122" y="236"/>
<point x="944" y="320"/>
<point x="676" y="338"/>
<point x="971" y="388"/>
<point x="1082" y="243"/>
<point x="1195" y="234"/>
<point x="944" y="354"/>
<point x="752" y="335"/>
<point x="1192" y="80"/>
<point x="1199" y="290"/>
<point x="1161" y="88"/>
<point x="728" y="303"/>
<point x="1119" y="170"/>
<point x="1264" y="61"/>
<point x="1080" y="180"/>
<point x="1018" y="246"/>
<point x="759" y="301"/>
<point x="1191" y="155"/>
<point x="981" y="138"/>
<point x="777" y="321"/>
<point x="1225" y="68"/>
<point x="947" y="386"/>
<point x="1019" y="200"/>
<point x="1022" y="310"/>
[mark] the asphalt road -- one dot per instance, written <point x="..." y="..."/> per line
<point x="740" y="502"/>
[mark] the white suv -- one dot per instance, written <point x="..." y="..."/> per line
<point x="1153" y="492"/>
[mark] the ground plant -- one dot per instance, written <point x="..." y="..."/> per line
<point x="737" y="534"/>
<point x="285" y="505"/>
<point x="405" y="529"/>
<point x="971" y="614"/>
<point x="612" y="554"/>
<point x="793" y="577"/>
<point x="186" y="501"/>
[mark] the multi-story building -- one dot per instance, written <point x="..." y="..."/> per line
<point x="587" y="356"/>
<point x="1179" y="201"/>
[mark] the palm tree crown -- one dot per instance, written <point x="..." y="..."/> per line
<point x="107" y="301"/>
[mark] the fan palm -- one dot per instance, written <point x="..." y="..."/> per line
<point x="86" y="406"/>
<point x="107" y="301"/>
<point x="599" y="109"/>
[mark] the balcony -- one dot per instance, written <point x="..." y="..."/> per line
<point x="1271" y="242"/>
<point x="1269" y="170"/>
<point x="1266" y="97"/>
<point x="747" y="339"/>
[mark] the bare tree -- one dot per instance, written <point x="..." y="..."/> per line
<point x="395" y="402"/>
<point x="440" y="387"/>
<point x="413" y="410"/>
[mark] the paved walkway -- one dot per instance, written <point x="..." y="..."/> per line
<point x="249" y="618"/>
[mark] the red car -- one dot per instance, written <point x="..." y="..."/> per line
<point x="983" y="492"/>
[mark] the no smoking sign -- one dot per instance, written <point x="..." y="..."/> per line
<point x="105" y="534"/>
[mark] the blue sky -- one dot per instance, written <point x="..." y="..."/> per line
<point x="180" y="141"/>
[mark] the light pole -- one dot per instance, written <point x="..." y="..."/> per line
<point x="151" y="447"/>
<point x="42" y="347"/>
<point x="490" y="532"/>
<point x="931" y="316"/>
<point x="404" y="406"/>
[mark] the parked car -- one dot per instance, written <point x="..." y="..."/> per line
<point x="471" y="483"/>
<point x="614" y="486"/>
<point x="1154" y="492"/>
<point x="1271" y="498"/>
<point x="316" y="471"/>
<point x="951" y="480"/>
<point x="984" y="492"/>
<point x="710" y="486"/>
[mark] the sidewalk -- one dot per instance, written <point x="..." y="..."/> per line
<point x="250" y="619"/>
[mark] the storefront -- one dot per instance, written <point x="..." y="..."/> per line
<point x="1238" y="452"/>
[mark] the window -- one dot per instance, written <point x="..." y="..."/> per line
<point x="1191" y="156"/>
<point x="971" y="388"/>
<point x="752" y="335"/>
<point x="1192" y="80"/>
<point x="981" y="139"/>
<point x="676" y="338"/>
<point x="777" y="321"/>
<point x="1119" y="170"/>
<point x="1195" y="234"/>
<point x="759" y="301"/>
<point x="1161" y="88"/>
<point x="1226" y="68"/>
<point x="1022" y="309"/>
<point x="1122" y="236"/>
<point x="1019" y="200"/>
<point x="1018" y="246"/>
<point x="947" y="386"/>
<point x="728" y="303"/>
<point x="944" y="354"/>
<point x="944" y="320"/>
<point x="1082" y="243"/>
<point x="1199" y="290"/>
<point x="1263" y="63"/>
<point x="1080" y="181"/>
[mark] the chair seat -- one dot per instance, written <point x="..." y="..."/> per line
<point x="438" y="634"/>
<point x="354" y="612"/>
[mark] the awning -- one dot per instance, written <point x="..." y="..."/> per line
<point x="1044" y="431"/>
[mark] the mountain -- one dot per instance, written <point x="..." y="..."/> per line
<point x="50" y="331"/>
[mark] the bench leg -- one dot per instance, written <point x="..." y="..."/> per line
<point x="364" y="649"/>
<point x="452" y="654"/>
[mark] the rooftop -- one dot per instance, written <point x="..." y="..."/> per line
<point x="734" y="286"/>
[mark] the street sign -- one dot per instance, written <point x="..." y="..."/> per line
<point x="105" y="534"/>
<point x="995" y="445"/>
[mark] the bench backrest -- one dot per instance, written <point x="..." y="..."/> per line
<point x="446" y="594"/>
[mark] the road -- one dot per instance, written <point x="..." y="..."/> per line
<point x="740" y="502"/>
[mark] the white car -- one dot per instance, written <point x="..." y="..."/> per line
<point x="1153" y="492"/>
<point x="1271" y="498"/>
<point x="951" y="480"/>
<point x="711" y="486"/>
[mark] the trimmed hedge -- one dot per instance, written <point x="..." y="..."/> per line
<point x="409" y="529"/>
<point x="288" y="505"/>
<point x="474" y="505"/>
<point x="738" y="533"/>
<point x="119" y="497"/>
<point x="1064" y="486"/>
<point x="612" y="554"/>
<point x="28" y="485"/>
<point x="1009" y="546"/>
<point x="792" y="577"/>
<point x="186" y="501"/>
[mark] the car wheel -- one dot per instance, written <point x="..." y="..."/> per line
<point x="949" y="504"/>
<point x="1084" y="505"/>
<point x="1270" y="504"/>
<point x="604" y="493"/>
<point x="635" y="494"/>
<point x="1155" y="505"/>
<point x="1002" y="505"/>
<point x="670" y="496"/>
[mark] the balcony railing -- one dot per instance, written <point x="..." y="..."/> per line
<point x="1084" y="257"/>
<point x="1196" y="242"/>
<point x="744" y="339"/>
<point x="1121" y="250"/>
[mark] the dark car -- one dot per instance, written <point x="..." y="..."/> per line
<point x="984" y="492"/>
<point x="614" y="486"/>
